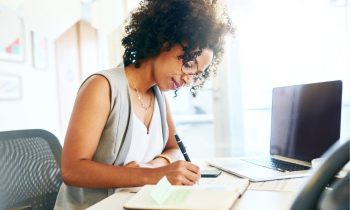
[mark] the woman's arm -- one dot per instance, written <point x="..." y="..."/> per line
<point x="89" y="115"/>
<point x="87" y="121"/>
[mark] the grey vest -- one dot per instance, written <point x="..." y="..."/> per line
<point x="114" y="143"/>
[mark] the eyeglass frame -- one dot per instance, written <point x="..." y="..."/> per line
<point x="195" y="76"/>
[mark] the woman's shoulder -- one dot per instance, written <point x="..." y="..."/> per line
<point x="115" y="76"/>
<point x="102" y="86"/>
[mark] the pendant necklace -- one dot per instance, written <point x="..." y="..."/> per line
<point x="140" y="98"/>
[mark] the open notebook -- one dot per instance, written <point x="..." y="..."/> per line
<point x="205" y="196"/>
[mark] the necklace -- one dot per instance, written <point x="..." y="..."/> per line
<point x="140" y="98"/>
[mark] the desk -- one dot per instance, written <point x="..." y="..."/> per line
<point x="252" y="198"/>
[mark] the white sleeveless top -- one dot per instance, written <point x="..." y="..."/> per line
<point x="144" y="147"/>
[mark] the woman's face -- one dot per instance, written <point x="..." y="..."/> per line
<point x="169" y="71"/>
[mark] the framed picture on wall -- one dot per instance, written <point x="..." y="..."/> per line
<point x="11" y="37"/>
<point x="10" y="87"/>
<point x="39" y="50"/>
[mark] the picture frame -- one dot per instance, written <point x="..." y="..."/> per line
<point x="39" y="50"/>
<point x="10" y="87"/>
<point x="12" y="39"/>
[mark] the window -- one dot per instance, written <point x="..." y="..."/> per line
<point x="277" y="43"/>
<point x="287" y="42"/>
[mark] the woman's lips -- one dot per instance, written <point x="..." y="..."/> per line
<point x="176" y="85"/>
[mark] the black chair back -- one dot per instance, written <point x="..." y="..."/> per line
<point x="30" y="175"/>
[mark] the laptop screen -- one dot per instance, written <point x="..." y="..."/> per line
<point x="305" y="119"/>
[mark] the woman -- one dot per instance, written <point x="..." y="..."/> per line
<point x="121" y="133"/>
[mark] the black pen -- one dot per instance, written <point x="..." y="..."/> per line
<point x="204" y="173"/>
<point x="182" y="148"/>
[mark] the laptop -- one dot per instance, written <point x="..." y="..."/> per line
<point x="305" y="122"/>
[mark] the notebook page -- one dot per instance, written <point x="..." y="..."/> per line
<point x="187" y="197"/>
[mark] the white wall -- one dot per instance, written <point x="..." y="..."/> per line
<point x="38" y="106"/>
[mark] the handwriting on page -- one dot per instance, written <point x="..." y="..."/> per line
<point x="164" y="193"/>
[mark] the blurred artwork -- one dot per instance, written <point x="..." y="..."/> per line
<point x="40" y="51"/>
<point x="11" y="37"/>
<point x="10" y="87"/>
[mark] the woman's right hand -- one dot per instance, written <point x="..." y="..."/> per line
<point x="179" y="173"/>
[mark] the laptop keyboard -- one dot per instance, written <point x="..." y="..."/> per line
<point x="278" y="165"/>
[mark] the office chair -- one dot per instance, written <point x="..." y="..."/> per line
<point x="30" y="175"/>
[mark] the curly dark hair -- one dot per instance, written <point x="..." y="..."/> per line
<point x="194" y="24"/>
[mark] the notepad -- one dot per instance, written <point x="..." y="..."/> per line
<point x="167" y="196"/>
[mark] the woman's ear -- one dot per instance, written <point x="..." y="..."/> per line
<point x="166" y="46"/>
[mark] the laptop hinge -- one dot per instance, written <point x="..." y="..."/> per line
<point x="300" y="162"/>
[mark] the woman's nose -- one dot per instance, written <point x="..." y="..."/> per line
<point x="187" y="79"/>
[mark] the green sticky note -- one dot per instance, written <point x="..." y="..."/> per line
<point x="161" y="191"/>
<point x="165" y="193"/>
<point x="177" y="196"/>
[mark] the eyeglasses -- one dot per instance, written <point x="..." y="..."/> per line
<point x="190" y="68"/>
